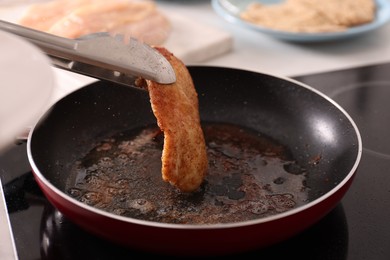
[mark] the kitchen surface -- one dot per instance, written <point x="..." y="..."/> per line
<point x="355" y="72"/>
<point x="251" y="50"/>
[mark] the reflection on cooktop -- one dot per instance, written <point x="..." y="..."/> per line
<point x="368" y="104"/>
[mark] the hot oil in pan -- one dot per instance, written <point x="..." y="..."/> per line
<point x="250" y="176"/>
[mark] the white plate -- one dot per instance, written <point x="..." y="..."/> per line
<point x="27" y="81"/>
<point x="230" y="10"/>
<point x="29" y="86"/>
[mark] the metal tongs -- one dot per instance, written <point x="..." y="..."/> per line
<point x="100" y="55"/>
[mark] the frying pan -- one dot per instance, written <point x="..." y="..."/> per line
<point x="318" y="134"/>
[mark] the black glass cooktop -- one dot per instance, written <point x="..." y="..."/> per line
<point x="358" y="228"/>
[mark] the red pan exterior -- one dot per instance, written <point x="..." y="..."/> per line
<point x="175" y="239"/>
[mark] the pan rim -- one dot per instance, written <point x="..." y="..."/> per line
<point x="261" y="220"/>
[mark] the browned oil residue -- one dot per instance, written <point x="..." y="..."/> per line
<point x="250" y="176"/>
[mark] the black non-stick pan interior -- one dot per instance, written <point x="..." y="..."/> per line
<point x="316" y="131"/>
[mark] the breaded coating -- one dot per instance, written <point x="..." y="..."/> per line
<point x="311" y="16"/>
<point x="184" y="157"/>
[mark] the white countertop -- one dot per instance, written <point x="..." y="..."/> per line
<point x="257" y="52"/>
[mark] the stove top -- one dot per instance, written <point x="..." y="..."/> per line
<point x="356" y="229"/>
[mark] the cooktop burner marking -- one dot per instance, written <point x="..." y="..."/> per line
<point x="368" y="103"/>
